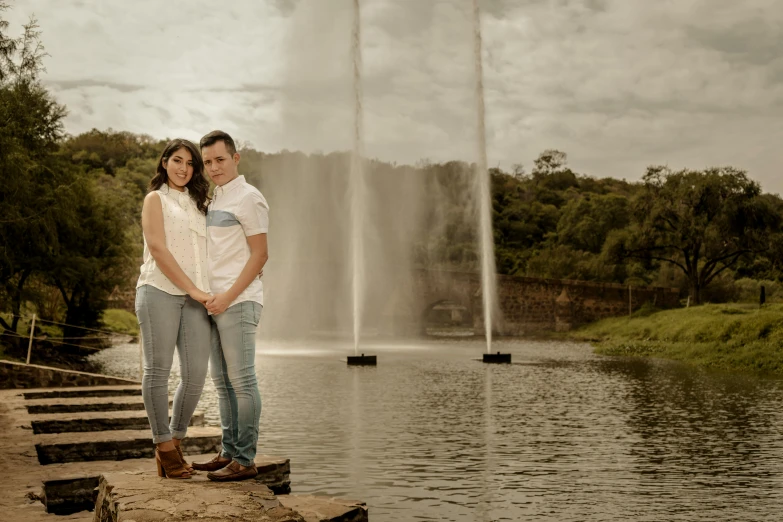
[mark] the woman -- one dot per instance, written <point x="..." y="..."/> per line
<point x="170" y="298"/>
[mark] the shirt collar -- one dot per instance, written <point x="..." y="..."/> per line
<point x="166" y="189"/>
<point x="231" y="185"/>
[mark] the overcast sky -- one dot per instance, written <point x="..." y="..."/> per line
<point x="616" y="84"/>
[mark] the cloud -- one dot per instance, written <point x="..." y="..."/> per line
<point x="66" y="85"/>
<point x="617" y="84"/>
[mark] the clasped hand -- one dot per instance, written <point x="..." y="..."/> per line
<point x="215" y="304"/>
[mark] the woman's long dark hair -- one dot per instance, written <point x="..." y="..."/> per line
<point x="198" y="186"/>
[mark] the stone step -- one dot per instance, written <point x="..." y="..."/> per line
<point x="68" y="496"/>
<point x="98" y="421"/>
<point x="142" y="496"/>
<point x="85" y="391"/>
<point x="55" y="448"/>
<point x="76" y="405"/>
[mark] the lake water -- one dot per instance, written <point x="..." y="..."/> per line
<point x="561" y="434"/>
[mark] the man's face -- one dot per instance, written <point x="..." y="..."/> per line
<point x="219" y="164"/>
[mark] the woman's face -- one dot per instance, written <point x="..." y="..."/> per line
<point x="179" y="168"/>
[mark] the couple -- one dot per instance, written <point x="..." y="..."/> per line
<point x="199" y="291"/>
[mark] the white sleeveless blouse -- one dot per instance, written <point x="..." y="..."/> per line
<point x="186" y="238"/>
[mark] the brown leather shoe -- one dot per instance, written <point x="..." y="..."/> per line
<point x="233" y="472"/>
<point x="213" y="465"/>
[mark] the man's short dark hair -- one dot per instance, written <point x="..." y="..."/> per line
<point x="216" y="136"/>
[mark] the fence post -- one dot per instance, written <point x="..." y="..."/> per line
<point x="30" y="344"/>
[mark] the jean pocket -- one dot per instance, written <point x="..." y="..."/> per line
<point x="250" y="313"/>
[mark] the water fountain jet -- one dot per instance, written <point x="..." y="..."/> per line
<point x="357" y="195"/>
<point x="488" y="280"/>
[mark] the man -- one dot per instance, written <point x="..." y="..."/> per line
<point x="237" y="226"/>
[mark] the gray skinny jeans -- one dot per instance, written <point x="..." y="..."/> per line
<point x="167" y="321"/>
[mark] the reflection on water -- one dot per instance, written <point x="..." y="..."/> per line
<point x="433" y="434"/>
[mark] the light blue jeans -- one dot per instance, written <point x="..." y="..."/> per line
<point x="167" y="321"/>
<point x="233" y="370"/>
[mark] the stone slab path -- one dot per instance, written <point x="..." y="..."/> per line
<point x="72" y="463"/>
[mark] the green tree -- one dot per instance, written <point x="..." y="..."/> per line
<point x="7" y="46"/>
<point x="550" y="161"/>
<point x="586" y="221"/>
<point x="31" y="180"/>
<point x="551" y="172"/>
<point x="65" y="222"/>
<point x="96" y="248"/>
<point x="701" y="222"/>
<point x="109" y="150"/>
<point x="563" y="262"/>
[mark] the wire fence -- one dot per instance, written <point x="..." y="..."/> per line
<point x="52" y="340"/>
<point x="60" y="341"/>
<point x="111" y="333"/>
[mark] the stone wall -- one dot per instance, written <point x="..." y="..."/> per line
<point x="534" y="305"/>
<point x="20" y="375"/>
<point x="529" y="305"/>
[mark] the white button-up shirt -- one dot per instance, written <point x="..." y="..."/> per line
<point x="237" y="210"/>
<point x="186" y="238"/>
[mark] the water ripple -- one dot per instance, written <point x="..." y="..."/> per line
<point x="561" y="435"/>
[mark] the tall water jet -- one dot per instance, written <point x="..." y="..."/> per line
<point x="308" y="277"/>
<point x="356" y="182"/>
<point x="488" y="282"/>
<point x="401" y="226"/>
<point x="357" y="192"/>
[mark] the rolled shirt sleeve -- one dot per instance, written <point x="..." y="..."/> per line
<point x="253" y="214"/>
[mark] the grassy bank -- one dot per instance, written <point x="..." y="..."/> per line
<point x="120" y="321"/>
<point x="730" y="337"/>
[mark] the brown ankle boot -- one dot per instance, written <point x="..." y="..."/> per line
<point x="170" y="465"/>
<point x="185" y="462"/>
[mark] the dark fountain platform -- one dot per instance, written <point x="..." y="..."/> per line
<point x="497" y="358"/>
<point x="362" y="360"/>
